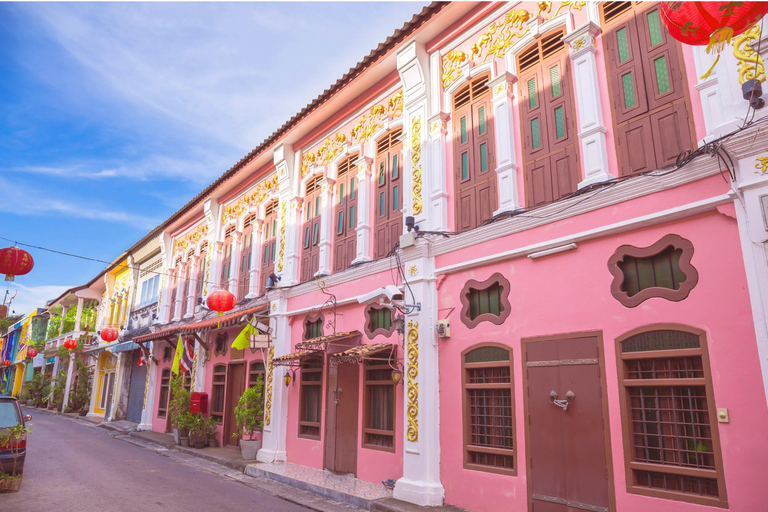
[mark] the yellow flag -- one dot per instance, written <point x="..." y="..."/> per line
<point x="241" y="342"/>
<point x="177" y="356"/>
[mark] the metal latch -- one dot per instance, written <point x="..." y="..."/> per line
<point x="563" y="404"/>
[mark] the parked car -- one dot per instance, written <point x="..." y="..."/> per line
<point x="10" y="416"/>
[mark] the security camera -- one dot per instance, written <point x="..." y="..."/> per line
<point x="387" y="293"/>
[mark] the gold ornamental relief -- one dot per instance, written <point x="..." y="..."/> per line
<point x="452" y="62"/>
<point x="270" y="370"/>
<point x="191" y="238"/>
<point x="281" y="252"/>
<point x="762" y="165"/>
<point x="413" y="386"/>
<point x="750" y="64"/>
<point x="255" y="198"/>
<point x="416" y="164"/>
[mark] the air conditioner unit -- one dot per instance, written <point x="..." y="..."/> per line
<point x="443" y="329"/>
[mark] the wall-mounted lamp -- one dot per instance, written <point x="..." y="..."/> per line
<point x="290" y="375"/>
<point x="397" y="376"/>
<point x="410" y="223"/>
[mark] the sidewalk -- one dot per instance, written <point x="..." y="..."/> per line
<point x="315" y="489"/>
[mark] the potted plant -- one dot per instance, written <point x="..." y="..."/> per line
<point x="210" y="431"/>
<point x="14" y="438"/>
<point x="178" y="408"/>
<point x="248" y="414"/>
<point x="80" y="396"/>
<point x="199" y="431"/>
<point x="184" y="423"/>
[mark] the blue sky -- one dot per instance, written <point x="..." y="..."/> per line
<point x="114" y="115"/>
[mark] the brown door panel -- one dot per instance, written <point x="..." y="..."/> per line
<point x="540" y="182"/>
<point x="636" y="152"/>
<point x="637" y="105"/>
<point x="674" y="135"/>
<point x="486" y="200"/>
<point x="329" y="446"/>
<point x="565" y="170"/>
<point x="381" y="241"/>
<point x="668" y="48"/>
<point x="465" y="209"/>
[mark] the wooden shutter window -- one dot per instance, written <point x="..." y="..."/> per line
<point x="474" y="156"/>
<point x="201" y="263"/>
<point x="379" y="406"/>
<point x="226" y="261"/>
<point x="345" y="215"/>
<point x="310" y="397"/>
<point x="217" y="391"/>
<point x="650" y="103"/>
<point x="268" y="244"/>
<point x="551" y="164"/>
<point x="488" y="402"/>
<point x="244" y="270"/>
<point x="388" y="195"/>
<point x="672" y="446"/>
<point x="165" y="383"/>
<point x="310" y="249"/>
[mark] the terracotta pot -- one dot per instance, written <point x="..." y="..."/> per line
<point x="10" y="484"/>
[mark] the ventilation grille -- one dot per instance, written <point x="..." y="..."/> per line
<point x="270" y="208"/>
<point x="549" y="46"/>
<point x="228" y="233"/>
<point x="313" y="184"/>
<point x="191" y="254"/>
<point x="178" y="261"/>
<point x="612" y="10"/>
<point x="203" y="247"/>
<point x="474" y="90"/>
<point x="151" y="268"/>
<point x="660" y="340"/>
<point x="389" y="140"/>
<point x="346" y="165"/>
<point x="249" y="221"/>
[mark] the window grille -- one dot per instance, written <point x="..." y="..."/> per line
<point x="310" y="399"/>
<point x="217" y="392"/>
<point x="379" y="406"/>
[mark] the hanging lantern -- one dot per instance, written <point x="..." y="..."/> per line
<point x="287" y="378"/>
<point x="6" y="363"/>
<point x="15" y="262"/>
<point x="70" y="344"/>
<point x="710" y="23"/>
<point x="31" y="352"/>
<point x="109" y="334"/>
<point x="397" y="376"/>
<point x="221" y="301"/>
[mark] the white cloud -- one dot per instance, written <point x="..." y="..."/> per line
<point x="30" y="297"/>
<point x="21" y="200"/>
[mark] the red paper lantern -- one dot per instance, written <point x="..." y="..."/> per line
<point x="6" y="363"/>
<point x="221" y="301"/>
<point x="109" y="334"/>
<point x="710" y="23"/>
<point x="31" y="352"/>
<point x="70" y="344"/>
<point x="15" y="262"/>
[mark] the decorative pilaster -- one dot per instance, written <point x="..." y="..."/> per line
<point x="326" y="201"/>
<point x="504" y="128"/>
<point x="180" y="275"/>
<point x="287" y="262"/>
<point x="438" y="194"/>
<point x="234" y="267"/>
<point x="211" y="209"/>
<point x="198" y="368"/>
<point x="363" y="230"/>
<point x="594" y="149"/>
<point x="68" y="385"/>
<point x="149" y="393"/>
<point x="256" y="247"/>
<point x="164" y="307"/>
<point x="194" y="269"/>
<point x="276" y="395"/>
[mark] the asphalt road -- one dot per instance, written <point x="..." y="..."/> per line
<point x="74" y="466"/>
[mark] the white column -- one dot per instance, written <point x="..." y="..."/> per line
<point x="149" y="393"/>
<point x="438" y="195"/>
<point x="420" y="483"/>
<point x="504" y="130"/>
<point x="180" y="275"/>
<point x="194" y="268"/>
<point x="276" y="410"/>
<point x="234" y="268"/>
<point x="594" y="149"/>
<point x="211" y="210"/>
<point x="363" y="229"/>
<point x="199" y="362"/>
<point x="166" y="308"/>
<point x="63" y="314"/>
<point x="258" y="233"/>
<point x="70" y="372"/>
<point x="79" y="313"/>
<point x="94" y="386"/>
<point x="214" y="274"/>
<point x="325" y="244"/>
<point x="288" y="217"/>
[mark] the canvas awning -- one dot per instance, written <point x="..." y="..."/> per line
<point x="360" y="353"/>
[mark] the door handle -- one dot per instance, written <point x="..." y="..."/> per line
<point x="337" y="395"/>
<point x="563" y="404"/>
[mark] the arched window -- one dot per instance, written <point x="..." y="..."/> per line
<point x="551" y="164"/>
<point x="668" y="410"/>
<point x="165" y="383"/>
<point x="217" y="391"/>
<point x="489" y="409"/>
<point x="311" y="397"/>
<point x="345" y="215"/>
<point x="473" y="154"/>
<point x="310" y="240"/>
<point x="244" y="279"/>
<point x="268" y="246"/>
<point x="388" y="198"/>
<point x="645" y="75"/>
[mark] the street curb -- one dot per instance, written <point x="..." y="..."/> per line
<point x="193" y="451"/>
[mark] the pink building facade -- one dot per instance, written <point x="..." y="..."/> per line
<point x="487" y="274"/>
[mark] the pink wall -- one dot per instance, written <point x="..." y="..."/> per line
<point x="570" y="292"/>
<point x="372" y="465"/>
<point x="159" y="424"/>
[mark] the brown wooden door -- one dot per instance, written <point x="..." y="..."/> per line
<point x="341" y="418"/>
<point x="234" y="390"/>
<point x="388" y="193"/>
<point x="345" y="215"/>
<point x="268" y="245"/>
<point x="567" y="463"/>
<point x="310" y="240"/>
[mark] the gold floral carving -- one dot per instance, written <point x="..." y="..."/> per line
<point x="281" y="252"/>
<point x="362" y="132"/>
<point x="207" y="268"/>
<point x="413" y="385"/>
<point x="579" y="43"/>
<point x="750" y="64"/>
<point x="191" y="238"/>
<point x="762" y="164"/>
<point x="500" y="36"/>
<point x="268" y="405"/>
<point x="415" y="164"/>
<point x="567" y="6"/>
<point x="413" y="270"/>
<point x="452" y="66"/>
<point x="194" y="369"/>
<point x="255" y="198"/>
<point x="146" y="386"/>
